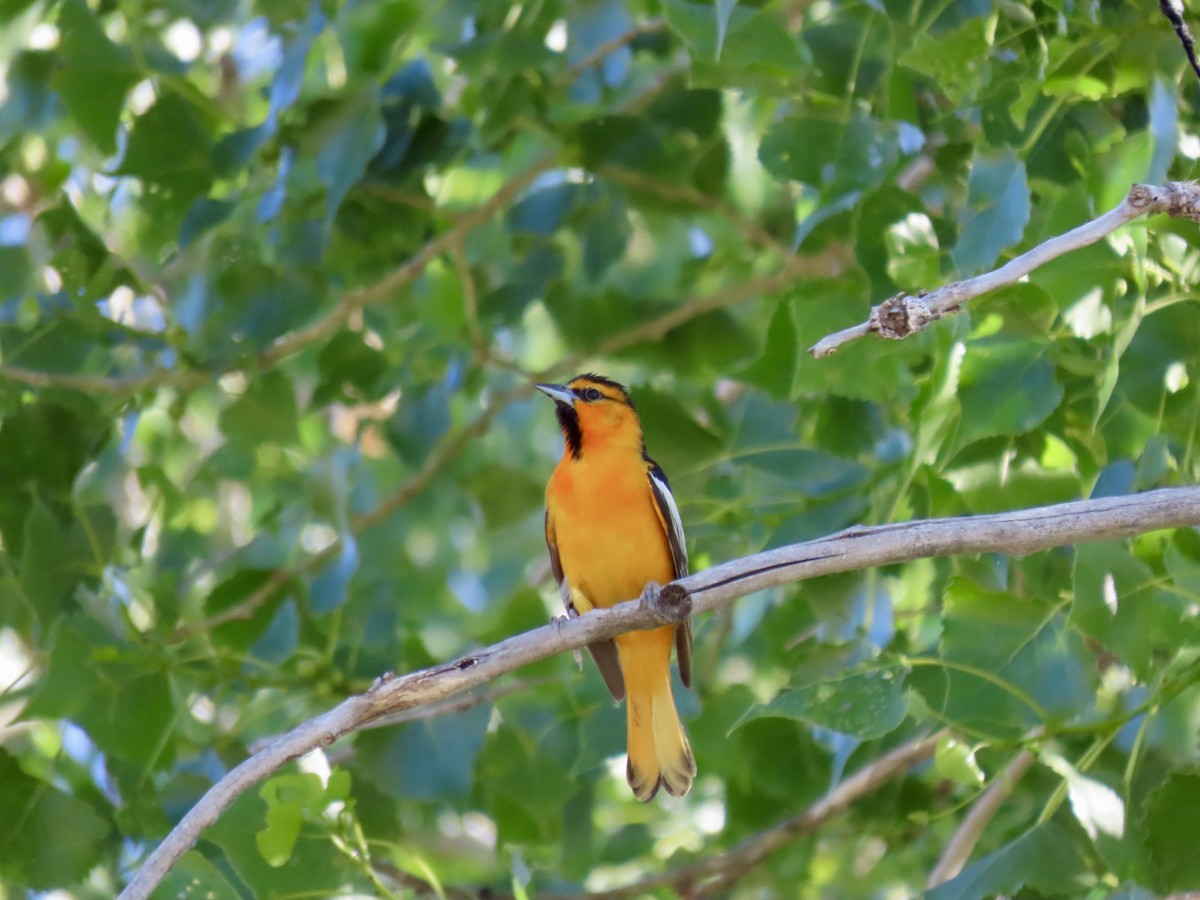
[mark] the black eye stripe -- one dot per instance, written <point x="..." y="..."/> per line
<point x="590" y="394"/>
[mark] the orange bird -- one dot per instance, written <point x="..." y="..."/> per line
<point x="612" y="526"/>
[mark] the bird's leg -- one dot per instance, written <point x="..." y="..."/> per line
<point x="649" y="598"/>
<point x="559" y="621"/>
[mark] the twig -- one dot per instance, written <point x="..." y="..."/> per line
<point x="1173" y="10"/>
<point x="967" y="835"/>
<point x="717" y="873"/>
<point x="116" y="385"/>
<point x="898" y="317"/>
<point x="437" y="460"/>
<point x="682" y="193"/>
<point x="655" y="329"/>
<point x="1015" y="533"/>
<point x="418" y="886"/>
<point x="343" y="309"/>
<point x="410" y="271"/>
<point x="609" y="47"/>
<point x="470" y="296"/>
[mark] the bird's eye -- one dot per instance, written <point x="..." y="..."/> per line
<point x="591" y="395"/>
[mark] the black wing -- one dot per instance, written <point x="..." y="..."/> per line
<point x="604" y="653"/>
<point x="668" y="514"/>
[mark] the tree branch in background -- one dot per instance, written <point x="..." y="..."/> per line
<point x="713" y="874"/>
<point x="293" y="342"/>
<point x="350" y="302"/>
<point x="967" y="835"/>
<point x="1173" y="10"/>
<point x="441" y="456"/>
<point x="1016" y="533"/>
<point x="902" y="315"/>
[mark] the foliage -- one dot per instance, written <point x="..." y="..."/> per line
<point x="275" y="277"/>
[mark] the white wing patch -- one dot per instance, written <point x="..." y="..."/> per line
<point x="666" y="504"/>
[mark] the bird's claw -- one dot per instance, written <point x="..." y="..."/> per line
<point x="557" y="622"/>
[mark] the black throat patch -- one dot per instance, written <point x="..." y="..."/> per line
<point x="568" y="422"/>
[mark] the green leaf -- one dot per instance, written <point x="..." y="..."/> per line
<point x="169" y="146"/>
<point x="956" y="61"/>
<point x="314" y="864"/>
<point x="1045" y="858"/>
<point x="94" y="75"/>
<point x="353" y="135"/>
<point x="288" y="797"/>
<point x="1006" y="387"/>
<point x="735" y="45"/>
<point x="998" y="196"/>
<point x="194" y="873"/>
<point x="774" y="370"/>
<point x="30" y="102"/>
<point x="50" y="838"/>
<point x="866" y="704"/>
<point x="505" y="495"/>
<point x="955" y="759"/>
<point x="329" y="586"/>
<point x="830" y="153"/>
<point x="420" y="422"/>
<point x="1117" y="603"/>
<point x="673" y="436"/>
<point x="1006" y="665"/>
<point x="1172" y="821"/>
<point x="349" y="368"/>
<point x="204" y="215"/>
<point x="429" y="760"/>
<point x="47" y="579"/>
<point x="914" y="259"/>
<point x="264" y="413"/>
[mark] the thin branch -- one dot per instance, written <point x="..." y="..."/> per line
<point x="900" y="316"/>
<point x="293" y="342"/>
<point x="1016" y="533"/>
<point x="967" y="835"/>
<point x="717" y="873"/>
<point x="657" y="328"/>
<point x="1173" y="10"/>
<point x="607" y="48"/>
<point x="347" y="304"/>
<point x="470" y="296"/>
<point x="441" y="456"/>
<point x="682" y="193"/>
<point x="386" y="288"/>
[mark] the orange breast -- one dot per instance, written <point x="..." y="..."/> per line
<point x="610" y="540"/>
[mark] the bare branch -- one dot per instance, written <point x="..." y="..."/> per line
<point x="607" y="48"/>
<point x="716" y="873"/>
<point x="1016" y="533"/>
<point x="898" y="317"/>
<point x="967" y="835"/>
<point x="437" y="460"/>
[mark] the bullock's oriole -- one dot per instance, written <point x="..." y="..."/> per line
<point x="612" y="526"/>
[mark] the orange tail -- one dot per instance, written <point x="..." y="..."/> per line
<point x="659" y="752"/>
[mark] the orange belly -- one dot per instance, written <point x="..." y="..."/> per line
<point x="610" y="540"/>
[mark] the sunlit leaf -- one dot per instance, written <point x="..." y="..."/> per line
<point x="865" y="705"/>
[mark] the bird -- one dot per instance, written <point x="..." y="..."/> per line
<point x="612" y="527"/>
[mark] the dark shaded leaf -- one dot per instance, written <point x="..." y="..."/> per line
<point x="94" y="76"/>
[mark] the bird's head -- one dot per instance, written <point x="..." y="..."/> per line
<point x="594" y="411"/>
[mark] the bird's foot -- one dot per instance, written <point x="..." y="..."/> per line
<point x="557" y="622"/>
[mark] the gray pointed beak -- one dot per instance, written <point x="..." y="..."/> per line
<point x="559" y="393"/>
